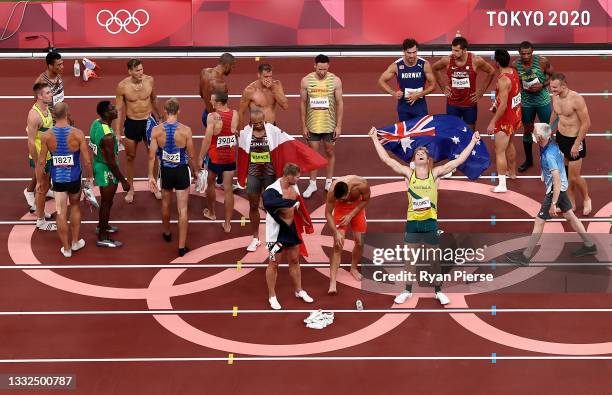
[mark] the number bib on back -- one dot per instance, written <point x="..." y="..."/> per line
<point x="226" y="141"/>
<point x="63" y="161"/>
<point x="172" y="158"/>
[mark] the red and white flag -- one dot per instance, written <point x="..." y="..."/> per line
<point x="283" y="149"/>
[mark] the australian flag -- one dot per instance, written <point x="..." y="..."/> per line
<point x="444" y="136"/>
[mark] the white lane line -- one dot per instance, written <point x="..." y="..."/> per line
<point x="492" y="358"/>
<point x="598" y="176"/>
<point x="321" y="221"/>
<point x="285" y="54"/>
<point x="289" y="95"/>
<point x="484" y="265"/>
<point x="270" y="311"/>
<point x="200" y="136"/>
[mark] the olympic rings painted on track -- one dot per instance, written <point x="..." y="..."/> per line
<point x="162" y="287"/>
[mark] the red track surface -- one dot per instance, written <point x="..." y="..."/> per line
<point x="432" y="334"/>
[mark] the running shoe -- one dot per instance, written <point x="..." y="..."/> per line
<point x="30" y="200"/>
<point x="443" y="299"/>
<point x="109" y="243"/>
<point x="584" y="251"/>
<point x="253" y="245"/>
<point x="312" y="188"/>
<point x="43" y="224"/>
<point x="403" y="297"/>
<point x="304" y="296"/>
<point x="77" y="245"/>
<point x="274" y="303"/>
<point x="518" y="257"/>
<point x="90" y="197"/>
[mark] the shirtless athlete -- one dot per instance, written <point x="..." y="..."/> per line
<point x="264" y="93"/>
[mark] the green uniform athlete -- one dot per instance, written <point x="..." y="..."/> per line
<point x="534" y="72"/>
<point x="107" y="175"/>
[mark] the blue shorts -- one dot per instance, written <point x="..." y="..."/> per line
<point x="468" y="114"/>
<point x="417" y="110"/>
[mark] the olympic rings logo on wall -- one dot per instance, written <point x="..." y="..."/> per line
<point x="122" y="20"/>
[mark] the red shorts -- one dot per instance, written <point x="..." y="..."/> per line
<point x="508" y="129"/>
<point x="358" y="223"/>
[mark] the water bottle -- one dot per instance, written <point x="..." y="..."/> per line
<point x="359" y="305"/>
<point x="77" y="68"/>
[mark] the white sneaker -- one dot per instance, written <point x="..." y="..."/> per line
<point x="403" y="297"/>
<point x="442" y="298"/>
<point x="42" y="224"/>
<point x="499" y="189"/>
<point x="328" y="184"/>
<point x="314" y="316"/>
<point x="50" y="194"/>
<point x="274" y="303"/>
<point x="90" y="196"/>
<point x="254" y="244"/>
<point x="304" y="296"/>
<point x="312" y="188"/>
<point x="67" y="254"/>
<point x="30" y="199"/>
<point x="77" y="245"/>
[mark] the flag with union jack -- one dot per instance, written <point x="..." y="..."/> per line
<point x="444" y="136"/>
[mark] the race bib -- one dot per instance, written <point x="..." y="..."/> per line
<point x="260" y="157"/>
<point x="58" y="98"/>
<point x="408" y="91"/>
<point x="516" y="100"/>
<point x="529" y="84"/>
<point x="226" y="141"/>
<point x="172" y="158"/>
<point x="63" y="161"/>
<point x="460" y="83"/>
<point x="93" y="147"/>
<point x="319" y="103"/>
<point x="421" y="204"/>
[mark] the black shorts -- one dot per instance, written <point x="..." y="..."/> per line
<point x="329" y="137"/>
<point x="135" y="130"/>
<point x="72" y="188"/>
<point x="564" y="204"/>
<point x="565" y="145"/>
<point x="219" y="168"/>
<point x="178" y="178"/>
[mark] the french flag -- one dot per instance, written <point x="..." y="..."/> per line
<point x="283" y="149"/>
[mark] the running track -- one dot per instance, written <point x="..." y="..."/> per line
<point x="470" y="338"/>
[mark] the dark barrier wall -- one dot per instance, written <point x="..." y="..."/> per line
<point x="168" y="23"/>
